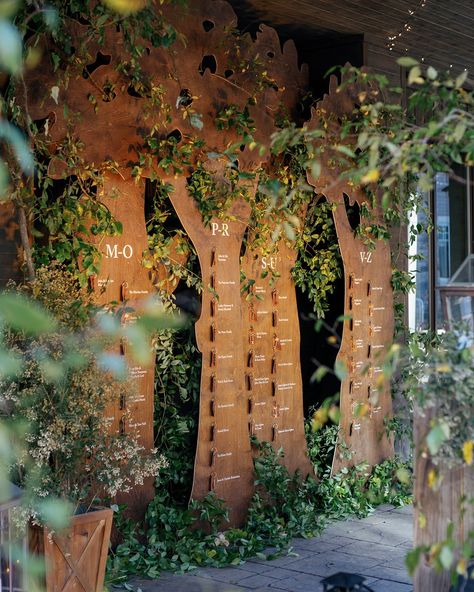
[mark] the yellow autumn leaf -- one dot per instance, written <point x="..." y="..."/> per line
<point x="432" y="478"/>
<point x="422" y="520"/>
<point x="467" y="451"/>
<point x="461" y="567"/>
<point x="125" y="6"/>
<point x="321" y="415"/>
<point x="371" y="177"/>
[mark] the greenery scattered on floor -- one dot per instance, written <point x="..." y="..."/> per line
<point x="283" y="507"/>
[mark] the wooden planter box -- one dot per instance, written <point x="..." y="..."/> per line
<point x="439" y="507"/>
<point x="75" y="557"/>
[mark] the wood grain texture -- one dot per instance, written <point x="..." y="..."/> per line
<point x="115" y="128"/>
<point x="123" y="279"/>
<point x="365" y="396"/>
<point x="441" y="33"/>
<point x="75" y="557"/>
<point x="439" y="506"/>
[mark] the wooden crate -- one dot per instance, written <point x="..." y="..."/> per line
<point x="75" y="557"/>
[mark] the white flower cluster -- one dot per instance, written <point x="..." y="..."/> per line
<point x="221" y="540"/>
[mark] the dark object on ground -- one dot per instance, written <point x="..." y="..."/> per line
<point x="344" y="582"/>
<point x="465" y="584"/>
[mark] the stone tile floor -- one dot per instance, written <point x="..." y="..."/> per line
<point x="373" y="547"/>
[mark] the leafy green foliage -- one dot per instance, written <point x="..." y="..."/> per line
<point x="447" y="554"/>
<point x="177" y="388"/>
<point x="383" y="147"/>
<point x="67" y="215"/>
<point x="59" y="393"/>
<point x="165" y="246"/>
<point x="180" y="538"/>
<point x="319" y="262"/>
<point x="234" y="118"/>
<point x="213" y="197"/>
<point x="440" y="378"/>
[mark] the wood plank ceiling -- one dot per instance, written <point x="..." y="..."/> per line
<point x="437" y="31"/>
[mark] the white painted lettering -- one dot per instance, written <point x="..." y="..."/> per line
<point x="365" y="256"/>
<point x="112" y="251"/>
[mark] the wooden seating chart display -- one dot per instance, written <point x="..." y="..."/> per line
<point x="123" y="279"/>
<point x="365" y="396"/>
<point x="273" y="381"/>
<point x="223" y="461"/>
<point x="196" y="80"/>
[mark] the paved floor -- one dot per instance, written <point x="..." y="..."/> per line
<point x="373" y="547"/>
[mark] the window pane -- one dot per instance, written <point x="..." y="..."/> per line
<point x="451" y="230"/>
<point x="419" y="302"/>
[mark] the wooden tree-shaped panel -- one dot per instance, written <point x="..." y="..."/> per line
<point x="123" y="279"/>
<point x="365" y="396"/>
<point x="223" y="461"/>
<point x="273" y="381"/>
<point x="199" y="98"/>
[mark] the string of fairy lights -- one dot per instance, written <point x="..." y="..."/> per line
<point x="397" y="39"/>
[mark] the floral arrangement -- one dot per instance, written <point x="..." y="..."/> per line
<point x="60" y="396"/>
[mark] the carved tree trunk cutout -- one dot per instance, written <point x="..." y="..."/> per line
<point x="368" y="302"/>
<point x="223" y="461"/>
<point x="122" y="278"/>
<point x="365" y="396"/>
<point x="197" y="80"/>
<point x="272" y="354"/>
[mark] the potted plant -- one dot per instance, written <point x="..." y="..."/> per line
<point x="60" y="394"/>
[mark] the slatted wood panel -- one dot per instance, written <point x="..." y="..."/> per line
<point x="365" y="397"/>
<point x="76" y="557"/>
<point x="439" y="506"/>
<point x="271" y="341"/>
<point x="440" y="32"/>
